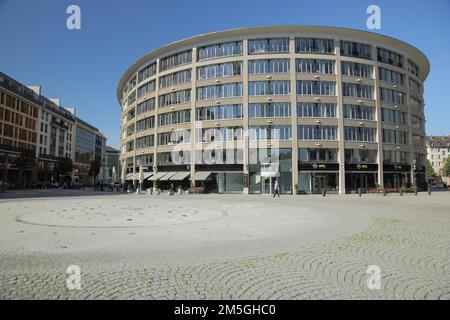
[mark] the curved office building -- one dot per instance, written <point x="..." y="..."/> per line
<point x="314" y="107"/>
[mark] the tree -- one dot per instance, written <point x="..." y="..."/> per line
<point x="430" y="170"/>
<point x="64" y="166"/>
<point x="94" y="170"/>
<point x="446" y="168"/>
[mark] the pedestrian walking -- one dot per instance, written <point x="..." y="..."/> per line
<point x="276" y="189"/>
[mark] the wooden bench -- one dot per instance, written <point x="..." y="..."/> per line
<point x="196" y="190"/>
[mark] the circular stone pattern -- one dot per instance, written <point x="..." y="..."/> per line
<point x="111" y="213"/>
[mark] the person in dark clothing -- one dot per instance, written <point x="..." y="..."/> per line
<point x="276" y="189"/>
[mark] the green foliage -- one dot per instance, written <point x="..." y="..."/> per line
<point x="64" y="166"/>
<point x="25" y="162"/>
<point x="446" y="168"/>
<point x="94" y="170"/>
<point x="430" y="170"/>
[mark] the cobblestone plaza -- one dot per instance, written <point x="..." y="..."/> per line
<point x="132" y="246"/>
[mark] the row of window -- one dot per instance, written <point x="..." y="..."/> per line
<point x="176" y="78"/>
<point x="172" y="98"/>
<point x="304" y="155"/>
<point x="393" y="116"/>
<point x="147" y="72"/>
<point x="222" y="112"/>
<point x="278" y="45"/>
<point x="395" y="136"/>
<point x="391" y="76"/>
<point x="219" y="91"/>
<point x="219" y="70"/>
<point x="145" y="142"/>
<point x="357" y="90"/>
<point x="264" y="88"/>
<point x="390" y="57"/>
<point x="145" y="106"/>
<point x="145" y="124"/>
<point x="392" y="96"/>
<point x="275" y="132"/>
<point x="280" y="66"/>
<point x="323" y="88"/>
<point x="175" y="117"/>
<point x="149" y="87"/>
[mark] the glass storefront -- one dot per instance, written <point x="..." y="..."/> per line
<point x="315" y="182"/>
<point x="264" y="185"/>
<point x="396" y="180"/>
<point x="230" y="182"/>
<point x="364" y="180"/>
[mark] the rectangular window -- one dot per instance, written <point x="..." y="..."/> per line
<point x="315" y="66"/>
<point x="316" y="110"/>
<point x="268" y="66"/>
<point x="174" y="137"/>
<point x="177" y="97"/>
<point x="357" y="69"/>
<point x="392" y="96"/>
<point x="219" y="134"/>
<point x="219" y="70"/>
<point x="173" y="79"/>
<point x="147" y="72"/>
<point x="390" y="57"/>
<point x="175" y="117"/>
<point x="391" y="76"/>
<point x="145" y="142"/>
<point x="227" y="90"/>
<point x="222" y="112"/>
<point x="269" y="110"/>
<point x="264" y="133"/>
<point x="361" y="155"/>
<point x="415" y="87"/>
<point x="360" y="134"/>
<point x="145" y="106"/>
<point x="318" y="132"/>
<point x="319" y="154"/>
<point x="314" y="45"/>
<point x="323" y="88"/>
<point x="413" y="68"/>
<point x="355" y="49"/>
<point x="261" y="88"/>
<point x="220" y="50"/>
<point x="352" y="111"/>
<point x="149" y="87"/>
<point x="175" y="60"/>
<point x="357" y="90"/>
<point x="393" y="116"/>
<point x="145" y="124"/>
<point x="259" y="46"/>
<point x="395" y="137"/>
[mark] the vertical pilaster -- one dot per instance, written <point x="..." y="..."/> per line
<point x="379" y="120"/>
<point x="245" y="122"/>
<point x="193" y="116"/>
<point x="340" y="115"/>
<point x="155" y="128"/>
<point x="408" y="121"/>
<point x="294" y="117"/>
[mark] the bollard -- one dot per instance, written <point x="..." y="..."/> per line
<point x="384" y="192"/>
<point x="415" y="191"/>
<point x="401" y="191"/>
<point x="360" y="191"/>
<point x="429" y="190"/>
<point x="324" y="192"/>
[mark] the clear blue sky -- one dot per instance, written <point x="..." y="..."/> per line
<point x="83" y="67"/>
